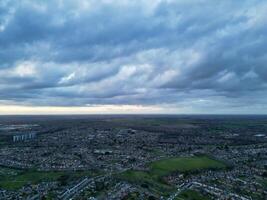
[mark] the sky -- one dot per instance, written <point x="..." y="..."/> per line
<point x="133" y="56"/>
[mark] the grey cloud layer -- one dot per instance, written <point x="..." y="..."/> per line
<point x="134" y="52"/>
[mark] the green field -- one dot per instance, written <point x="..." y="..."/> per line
<point x="264" y="183"/>
<point x="185" y="164"/>
<point x="153" y="178"/>
<point x="191" y="195"/>
<point x="13" y="179"/>
<point x="148" y="181"/>
<point x="151" y="181"/>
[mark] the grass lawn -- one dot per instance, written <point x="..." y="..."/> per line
<point x="158" y="169"/>
<point x="264" y="183"/>
<point x="152" y="182"/>
<point x="13" y="179"/>
<point x="185" y="164"/>
<point x="20" y="179"/>
<point x="191" y="195"/>
<point x="139" y="176"/>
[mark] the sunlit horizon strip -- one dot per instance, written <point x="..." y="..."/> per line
<point x="94" y="109"/>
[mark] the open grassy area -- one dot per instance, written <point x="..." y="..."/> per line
<point x="148" y="181"/>
<point x="191" y="195"/>
<point x="264" y="183"/>
<point x="14" y="179"/>
<point x="153" y="178"/>
<point x="21" y="178"/>
<point x="185" y="164"/>
<point x="3" y="140"/>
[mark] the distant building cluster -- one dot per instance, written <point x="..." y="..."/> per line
<point x="23" y="137"/>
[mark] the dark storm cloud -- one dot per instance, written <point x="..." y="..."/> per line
<point x="133" y="52"/>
